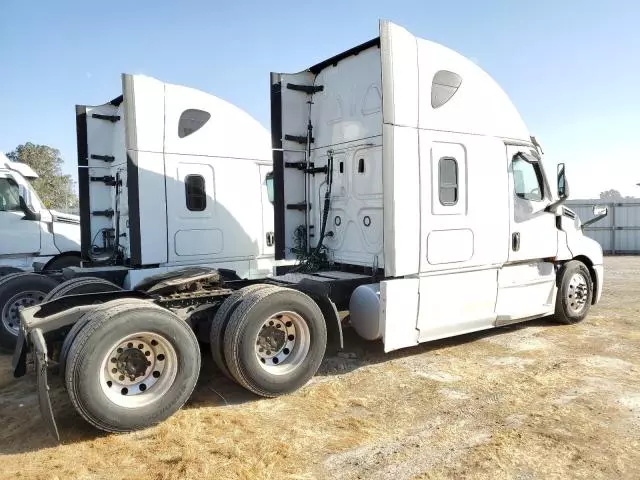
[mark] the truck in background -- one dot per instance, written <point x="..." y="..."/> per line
<point x="32" y="233"/>
<point x="169" y="177"/>
<point x="406" y="188"/>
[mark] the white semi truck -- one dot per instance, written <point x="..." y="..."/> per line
<point x="407" y="189"/>
<point x="31" y="233"/>
<point x="169" y="177"/>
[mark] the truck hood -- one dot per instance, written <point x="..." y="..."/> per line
<point x="65" y="217"/>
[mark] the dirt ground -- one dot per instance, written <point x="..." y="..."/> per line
<point x="534" y="401"/>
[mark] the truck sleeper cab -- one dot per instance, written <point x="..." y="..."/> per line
<point x="408" y="191"/>
<point x="166" y="180"/>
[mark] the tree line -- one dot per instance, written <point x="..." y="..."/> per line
<point x="54" y="188"/>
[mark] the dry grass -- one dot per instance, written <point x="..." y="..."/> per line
<point x="533" y="401"/>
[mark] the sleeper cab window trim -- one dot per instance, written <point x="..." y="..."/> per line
<point x="192" y="120"/>
<point x="448" y="179"/>
<point x="195" y="193"/>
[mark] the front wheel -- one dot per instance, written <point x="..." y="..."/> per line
<point x="132" y="365"/>
<point x="575" y="291"/>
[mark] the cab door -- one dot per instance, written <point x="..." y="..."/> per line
<point x="526" y="283"/>
<point x="19" y="235"/>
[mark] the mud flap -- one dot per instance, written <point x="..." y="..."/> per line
<point x="19" y="360"/>
<point x="37" y="338"/>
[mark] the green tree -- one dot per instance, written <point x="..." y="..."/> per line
<point x="54" y="188"/>
<point x="611" y="195"/>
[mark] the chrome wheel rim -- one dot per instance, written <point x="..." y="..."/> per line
<point x="139" y="369"/>
<point x="577" y="293"/>
<point x="282" y="343"/>
<point x="11" y="309"/>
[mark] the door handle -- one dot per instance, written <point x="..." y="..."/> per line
<point x="515" y="241"/>
<point x="270" y="239"/>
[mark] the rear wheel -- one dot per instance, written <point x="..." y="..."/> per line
<point x="575" y="291"/>
<point x="132" y="365"/>
<point x="275" y="341"/>
<point x="220" y="321"/>
<point x="9" y="270"/>
<point x="63" y="261"/>
<point x="16" y="291"/>
<point x="77" y="286"/>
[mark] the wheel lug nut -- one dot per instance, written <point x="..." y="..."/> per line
<point x="121" y="377"/>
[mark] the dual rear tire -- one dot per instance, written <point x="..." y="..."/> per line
<point x="271" y="340"/>
<point x="131" y="364"/>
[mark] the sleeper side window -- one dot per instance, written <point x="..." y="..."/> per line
<point x="191" y="121"/>
<point x="448" y="181"/>
<point x="527" y="179"/>
<point x="196" y="195"/>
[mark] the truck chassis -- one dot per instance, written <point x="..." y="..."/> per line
<point x="300" y="323"/>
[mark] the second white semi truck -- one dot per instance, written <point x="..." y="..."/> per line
<point x="32" y="233"/>
<point x="168" y="177"/>
<point x="406" y="188"/>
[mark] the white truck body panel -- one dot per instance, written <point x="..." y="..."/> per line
<point x="453" y="192"/>
<point x="192" y="169"/>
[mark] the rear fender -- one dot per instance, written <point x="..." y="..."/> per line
<point x="335" y="341"/>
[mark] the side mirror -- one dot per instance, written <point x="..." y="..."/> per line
<point x="26" y="205"/>
<point x="270" y="189"/>
<point x="563" y="186"/>
<point x="600" y="210"/>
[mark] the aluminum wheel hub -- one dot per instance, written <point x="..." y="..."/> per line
<point x="577" y="292"/>
<point x="139" y="369"/>
<point x="11" y="309"/>
<point x="283" y="342"/>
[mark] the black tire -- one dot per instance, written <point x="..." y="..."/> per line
<point x="572" y="305"/>
<point x="242" y="331"/>
<point x="219" y="325"/>
<point x="9" y="270"/>
<point x="5" y="278"/>
<point x="80" y="285"/>
<point x="21" y="289"/>
<point x="61" y="262"/>
<point x="77" y="286"/>
<point x="104" y="328"/>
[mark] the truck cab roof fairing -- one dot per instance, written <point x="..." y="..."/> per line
<point x="225" y="133"/>
<point x="412" y="68"/>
